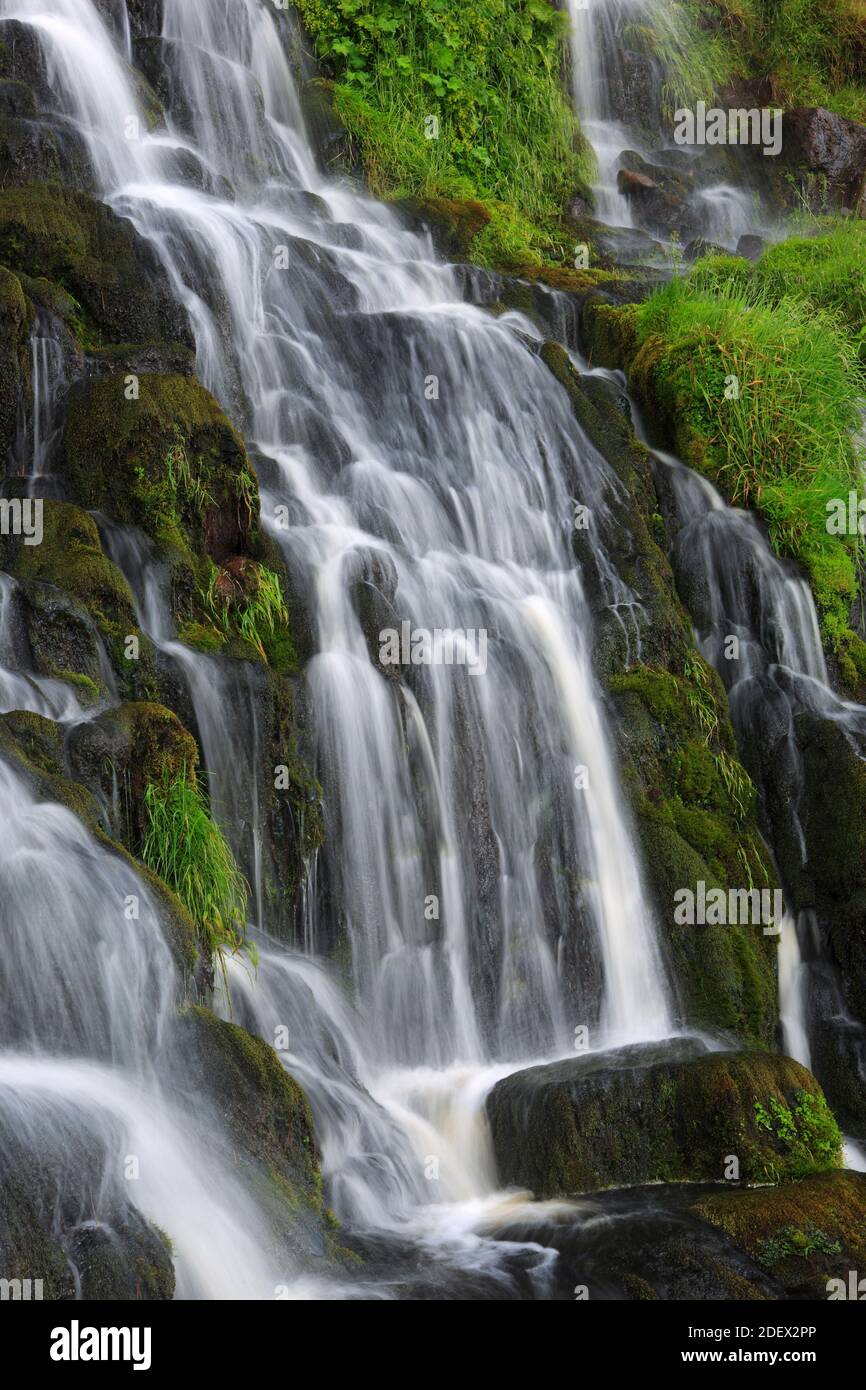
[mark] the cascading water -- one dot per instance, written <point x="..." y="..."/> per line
<point x="477" y="858"/>
<point x="622" y="100"/>
<point x="756" y="623"/>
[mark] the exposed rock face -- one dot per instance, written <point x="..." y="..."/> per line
<point x="659" y="1113"/>
<point x="829" y="147"/>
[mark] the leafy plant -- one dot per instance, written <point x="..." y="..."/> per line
<point x="457" y="101"/>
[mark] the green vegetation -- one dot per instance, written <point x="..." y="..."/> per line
<point x="805" y="1129"/>
<point x="805" y="52"/>
<point x="185" y="847"/>
<point x="484" y="80"/>
<point x="756" y="378"/>
<point x="255" y="612"/>
<point x="647" y="1113"/>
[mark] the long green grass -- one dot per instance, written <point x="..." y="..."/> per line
<point x="184" y="845"/>
<point x="257" y="617"/>
<point x="783" y="439"/>
<point x="806" y="52"/>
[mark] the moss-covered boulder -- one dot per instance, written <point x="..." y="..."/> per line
<point x="659" y="1114"/>
<point x="161" y="455"/>
<point x="68" y="237"/>
<point x="78" y="608"/>
<point x="15" y="315"/>
<point x="453" y="223"/>
<point x="37" y="749"/>
<point x="804" y="1234"/>
<point x="121" y="752"/>
<point x="109" y="1254"/>
<point x="268" y="1119"/>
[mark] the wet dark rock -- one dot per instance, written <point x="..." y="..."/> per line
<point x="656" y="1112"/>
<point x="15" y="317"/>
<point x="830" y="149"/>
<point x="751" y="246"/>
<point x="22" y="59"/>
<point x="97" y="256"/>
<point x="633" y="91"/>
<point x="269" y="1121"/>
<point x="662" y="201"/>
<point x="329" y="137"/>
<point x="699" y="247"/>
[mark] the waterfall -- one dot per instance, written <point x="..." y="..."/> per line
<point x="738" y="588"/>
<point x="478" y="857"/>
<point x="621" y="91"/>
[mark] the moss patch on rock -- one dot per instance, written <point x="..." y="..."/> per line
<point x="168" y="461"/>
<point x="97" y="257"/>
<point x="647" y="1114"/>
<point x="803" y="1233"/>
<point x="268" y="1118"/>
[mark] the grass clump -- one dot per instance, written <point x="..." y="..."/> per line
<point x="254" y="610"/>
<point x="458" y="101"/>
<point x="762" y="390"/>
<point x="805" y="52"/>
<point x="185" y="847"/>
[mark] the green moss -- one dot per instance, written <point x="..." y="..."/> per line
<point x="804" y="1232"/>
<point x="54" y="234"/>
<point x="168" y="462"/>
<point x="489" y="77"/>
<point x="71" y="558"/>
<point x="647" y="1114"/>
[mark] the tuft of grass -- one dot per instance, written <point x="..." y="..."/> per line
<point x="805" y="52"/>
<point x="185" y="847"/>
<point x="784" y="441"/>
<point x="258" y="617"/>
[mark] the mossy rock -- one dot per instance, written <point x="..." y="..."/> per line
<point x="15" y="316"/>
<point x="725" y="976"/>
<point x="268" y="1119"/>
<point x="98" y="258"/>
<point x="72" y="592"/>
<point x="111" y="1254"/>
<point x="119" y="754"/>
<point x="37" y="749"/>
<point x="453" y="223"/>
<point x="802" y="1233"/>
<point x="655" y="1113"/>
<point x="168" y="462"/>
